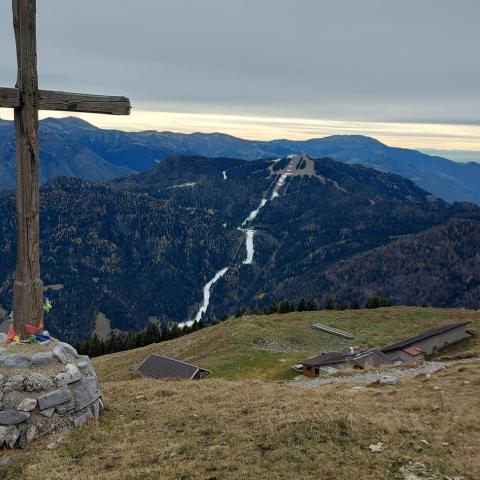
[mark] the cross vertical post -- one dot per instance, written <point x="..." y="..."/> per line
<point x="28" y="287"/>
<point x="26" y="99"/>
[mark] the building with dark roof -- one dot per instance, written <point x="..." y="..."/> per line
<point x="427" y="343"/>
<point x="335" y="361"/>
<point x="413" y="348"/>
<point x="159" y="366"/>
<point x="313" y="366"/>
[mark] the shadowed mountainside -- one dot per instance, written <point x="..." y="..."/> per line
<point x="146" y="245"/>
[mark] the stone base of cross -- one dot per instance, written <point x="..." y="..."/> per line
<point x="26" y="99"/>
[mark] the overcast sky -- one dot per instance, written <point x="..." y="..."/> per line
<point x="265" y="68"/>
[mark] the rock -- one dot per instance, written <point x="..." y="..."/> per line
<point x="65" y="407"/>
<point x="388" y="380"/>
<point x="3" y="337"/>
<point x="96" y="409"/>
<point x="31" y="433"/>
<point x="47" y="412"/>
<point x="101" y="405"/>
<point x="376" y="447"/>
<point x="56" y="443"/>
<point x="85" y="358"/>
<point x="15" y="382"/>
<point x="11" y="436"/>
<point x="27" y="404"/>
<point x="68" y="349"/>
<point x="52" y="399"/>
<point x="3" y="433"/>
<point x="435" y="387"/>
<point x="59" y="353"/>
<point x="14" y="361"/>
<point x="72" y="374"/>
<point x="38" y="382"/>
<point x="82" y="419"/>
<point x="42" y="358"/>
<point x="85" y="392"/>
<point x="13" y="417"/>
<point x="84" y="367"/>
<point x="5" y="461"/>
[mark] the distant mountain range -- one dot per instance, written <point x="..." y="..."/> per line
<point x="147" y="245"/>
<point x="76" y="148"/>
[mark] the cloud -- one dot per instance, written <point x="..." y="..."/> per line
<point x="372" y="60"/>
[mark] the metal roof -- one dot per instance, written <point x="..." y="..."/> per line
<point x="159" y="366"/>
<point x="373" y="358"/>
<point x="329" y="358"/>
<point x="418" y="338"/>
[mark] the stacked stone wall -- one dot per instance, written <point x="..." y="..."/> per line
<point x="45" y="389"/>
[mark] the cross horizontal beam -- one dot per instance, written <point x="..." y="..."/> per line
<point x="69" y="102"/>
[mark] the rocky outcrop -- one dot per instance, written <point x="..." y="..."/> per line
<point x="45" y="389"/>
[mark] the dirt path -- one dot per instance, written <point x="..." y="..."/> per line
<point x="390" y="376"/>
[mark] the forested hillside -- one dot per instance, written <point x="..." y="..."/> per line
<point x="145" y="246"/>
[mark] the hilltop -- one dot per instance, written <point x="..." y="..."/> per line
<point x="222" y="429"/>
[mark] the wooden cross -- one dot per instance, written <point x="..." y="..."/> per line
<point x="26" y="99"/>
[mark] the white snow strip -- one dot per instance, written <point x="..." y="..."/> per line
<point x="184" y="185"/>
<point x="254" y="213"/>
<point x="224" y="174"/>
<point x="206" y="299"/>
<point x="278" y="185"/>
<point x="249" y="245"/>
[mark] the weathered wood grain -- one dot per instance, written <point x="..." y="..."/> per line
<point x="70" y="102"/>
<point x="9" y="97"/>
<point x="28" y="287"/>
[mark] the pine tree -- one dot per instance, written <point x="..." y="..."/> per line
<point x="284" y="307"/>
<point x="273" y="308"/>
<point x="378" y="302"/>
<point x="354" y="305"/>
<point x="95" y="347"/>
<point x="329" y="303"/>
<point x="302" y="305"/>
<point x="312" y="305"/>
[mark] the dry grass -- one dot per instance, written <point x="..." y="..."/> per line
<point x="218" y="429"/>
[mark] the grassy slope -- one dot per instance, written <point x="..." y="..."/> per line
<point x="223" y="429"/>
<point x="219" y="429"/>
<point x="266" y="347"/>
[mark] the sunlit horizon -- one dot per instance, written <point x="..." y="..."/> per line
<point x="429" y="137"/>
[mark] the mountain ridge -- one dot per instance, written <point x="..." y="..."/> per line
<point x="113" y="153"/>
